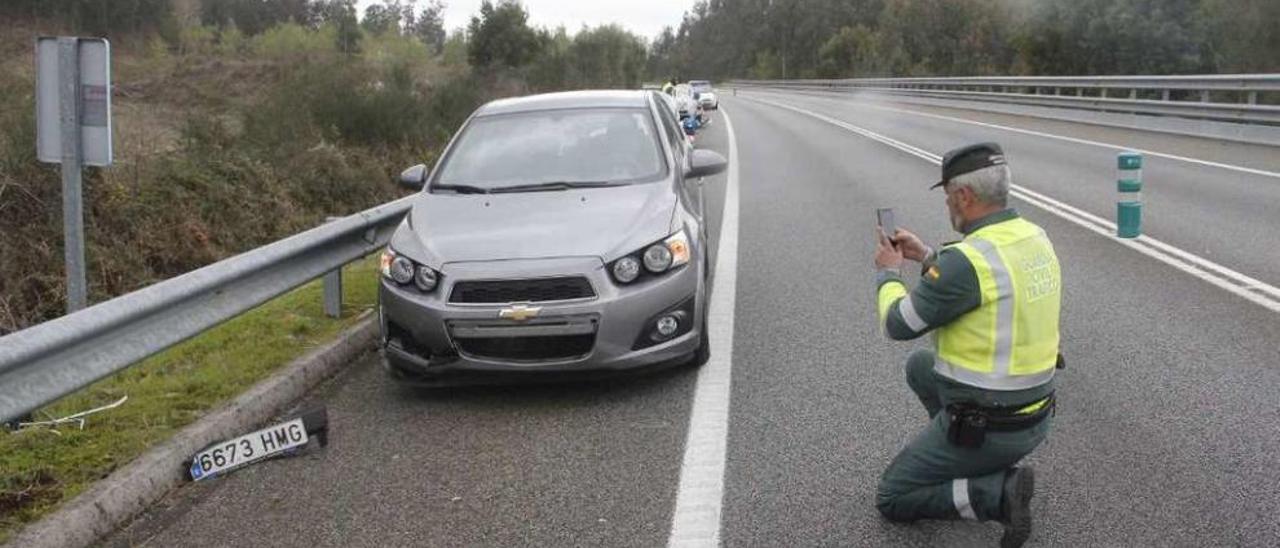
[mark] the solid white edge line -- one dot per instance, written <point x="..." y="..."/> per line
<point x="1208" y="163"/>
<point x="696" y="518"/>
<point x="1216" y="274"/>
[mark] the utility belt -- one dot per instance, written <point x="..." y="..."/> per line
<point x="968" y="423"/>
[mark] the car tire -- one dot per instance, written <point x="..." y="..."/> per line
<point x="703" y="354"/>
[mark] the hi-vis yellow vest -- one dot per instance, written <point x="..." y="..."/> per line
<point x="1010" y="342"/>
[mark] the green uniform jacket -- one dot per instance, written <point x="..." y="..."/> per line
<point x="948" y="287"/>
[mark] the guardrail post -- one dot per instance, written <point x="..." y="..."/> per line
<point x="333" y="287"/>
<point x="1204" y="96"/>
<point x="1129" y="186"/>
<point x="1253" y="97"/>
<point x="1164" y="95"/>
<point x="1133" y="94"/>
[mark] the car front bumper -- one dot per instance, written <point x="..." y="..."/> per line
<point x="426" y="339"/>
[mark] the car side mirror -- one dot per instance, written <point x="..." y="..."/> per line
<point x="414" y="177"/>
<point x="705" y="162"/>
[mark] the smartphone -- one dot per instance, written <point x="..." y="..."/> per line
<point x="884" y="217"/>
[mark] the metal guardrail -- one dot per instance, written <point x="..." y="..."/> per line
<point x="1048" y="91"/>
<point x="50" y="360"/>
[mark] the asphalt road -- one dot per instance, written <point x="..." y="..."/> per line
<point x="1166" y="434"/>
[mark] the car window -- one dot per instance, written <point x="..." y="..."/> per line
<point x="595" y="145"/>
<point x="671" y="125"/>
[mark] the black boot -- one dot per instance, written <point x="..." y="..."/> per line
<point x="1019" y="485"/>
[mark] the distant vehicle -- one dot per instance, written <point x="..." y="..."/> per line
<point x="706" y="97"/>
<point x="708" y="101"/>
<point x="559" y="233"/>
<point x="700" y="86"/>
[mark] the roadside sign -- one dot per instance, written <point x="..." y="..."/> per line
<point x="90" y="76"/>
<point x="73" y="128"/>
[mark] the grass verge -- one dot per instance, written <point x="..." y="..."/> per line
<point x="40" y="468"/>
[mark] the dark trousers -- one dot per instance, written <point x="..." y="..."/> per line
<point x="933" y="479"/>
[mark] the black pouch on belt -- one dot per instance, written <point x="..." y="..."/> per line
<point x="967" y="425"/>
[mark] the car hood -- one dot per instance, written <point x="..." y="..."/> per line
<point x="598" y="222"/>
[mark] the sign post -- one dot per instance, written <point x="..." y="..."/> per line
<point x="73" y="128"/>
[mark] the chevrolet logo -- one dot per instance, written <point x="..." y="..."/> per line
<point x="519" y="312"/>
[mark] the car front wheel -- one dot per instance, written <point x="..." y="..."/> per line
<point x="703" y="354"/>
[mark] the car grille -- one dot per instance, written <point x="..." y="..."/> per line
<point x="558" y="347"/>
<point x="518" y="291"/>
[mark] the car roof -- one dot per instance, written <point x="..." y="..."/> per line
<point x="567" y="99"/>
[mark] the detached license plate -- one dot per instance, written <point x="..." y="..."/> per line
<point x="248" y="448"/>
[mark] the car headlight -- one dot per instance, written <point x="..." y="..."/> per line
<point x="657" y="258"/>
<point x="626" y="269"/>
<point x="403" y="270"/>
<point x="425" y="279"/>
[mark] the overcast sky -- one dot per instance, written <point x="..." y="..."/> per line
<point x="643" y="17"/>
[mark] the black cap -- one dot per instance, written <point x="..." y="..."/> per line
<point x="969" y="158"/>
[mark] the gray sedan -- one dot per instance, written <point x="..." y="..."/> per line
<point x="558" y="233"/>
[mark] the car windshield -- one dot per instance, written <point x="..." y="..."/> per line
<point x="595" y="146"/>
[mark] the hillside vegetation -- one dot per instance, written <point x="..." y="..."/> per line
<point x="867" y="38"/>
<point x="239" y="122"/>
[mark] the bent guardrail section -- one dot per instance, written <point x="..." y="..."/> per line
<point x="47" y="361"/>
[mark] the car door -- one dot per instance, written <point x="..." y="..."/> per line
<point x="690" y="191"/>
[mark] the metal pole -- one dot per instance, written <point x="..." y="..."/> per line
<point x="72" y="199"/>
<point x="333" y="287"/>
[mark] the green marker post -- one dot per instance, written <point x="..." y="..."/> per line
<point x="1129" y="205"/>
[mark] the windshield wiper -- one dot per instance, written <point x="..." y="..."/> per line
<point x="461" y="189"/>
<point x="551" y="185"/>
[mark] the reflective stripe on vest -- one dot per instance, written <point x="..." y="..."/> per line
<point x="1010" y="342"/>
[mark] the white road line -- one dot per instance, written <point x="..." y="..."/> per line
<point x="1198" y="161"/>
<point x="1249" y="288"/>
<point x="696" y="520"/>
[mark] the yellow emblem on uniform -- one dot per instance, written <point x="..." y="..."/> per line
<point x="933" y="273"/>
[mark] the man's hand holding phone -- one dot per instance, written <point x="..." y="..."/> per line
<point x="900" y="243"/>
<point x="911" y="246"/>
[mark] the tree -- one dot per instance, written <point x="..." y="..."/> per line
<point x="93" y="17"/>
<point x="607" y="57"/>
<point x="1243" y="35"/>
<point x="501" y="36"/>
<point x="429" y="26"/>
<point x="254" y="16"/>
<point x="1116" y="37"/>
<point x="850" y="52"/>
<point x="342" y="15"/>
<point x="454" y="51"/>
<point x="388" y="16"/>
